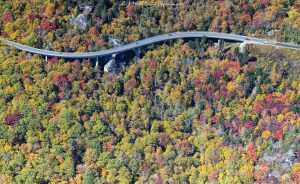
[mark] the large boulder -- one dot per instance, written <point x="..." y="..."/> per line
<point x="81" y="21"/>
<point x="115" y="42"/>
<point x="111" y="66"/>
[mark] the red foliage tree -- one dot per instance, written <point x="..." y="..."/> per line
<point x="185" y="146"/>
<point x="130" y="85"/>
<point x="278" y="134"/>
<point x="197" y="97"/>
<point x="251" y="152"/>
<point x="153" y="64"/>
<point x="164" y="139"/>
<point x="145" y="168"/>
<point x="76" y="64"/>
<point x="88" y="41"/>
<point x="131" y="11"/>
<point x="62" y="84"/>
<point x="269" y="98"/>
<point x="159" y="160"/>
<point x="257" y="107"/>
<point x="85" y="118"/>
<point x="248" y="125"/>
<point x="26" y="76"/>
<point x="12" y="119"/>
<point x="93" y="30"/>
<point x="7" y="17"/>
<point x="71" y="77"/>
<point x="246" y="18"/>
<point x="197" y="80"/>
<point x="53" y="60"/>
<point x="218" y="73"/>
<point x="296" y="177"/>
<point x="158" y="180"/>
<point x="47" y="25"/>
<point x="107" y="147"/>
<point x="213" y="176"/>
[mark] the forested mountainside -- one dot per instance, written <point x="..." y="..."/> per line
<point x="183" y="113"/>
<point x="47" y="24"/>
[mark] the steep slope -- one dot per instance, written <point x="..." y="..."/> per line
<point x="47" y="24"/>
<point x="183" y="113"/>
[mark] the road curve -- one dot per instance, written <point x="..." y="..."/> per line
<point x="147" y="41"/>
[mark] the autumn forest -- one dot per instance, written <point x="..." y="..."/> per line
<point x="186" y="111"/>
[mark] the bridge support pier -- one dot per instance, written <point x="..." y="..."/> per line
<point x="138" y="52"/>
<point x="97" y="62"/>
<point x="46" y="59"/>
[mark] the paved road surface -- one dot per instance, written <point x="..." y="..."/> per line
<point x="147" y="41"/>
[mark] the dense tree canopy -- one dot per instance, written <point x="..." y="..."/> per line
<point x="46" y="24"/>
<point x="186" y="111"/>
<point x="177" y="115"/>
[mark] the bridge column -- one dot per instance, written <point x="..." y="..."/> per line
<point x="46" y="59"/>
<point x="242" y="47"/>
<point x="137" y="52"/>
<point x="97" y="62"/>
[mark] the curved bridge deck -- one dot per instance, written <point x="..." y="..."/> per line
<point x="147" y="41"/>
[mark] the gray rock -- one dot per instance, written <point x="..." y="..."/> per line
<point x="35" y="147"/>
<point x="115" y="42"/>
<point x="288" y="156"/>
<point x="271" y="33"/>
<point x="111" y="66"/>
<point x="256" y="167"/>
<point x="271" y="158"/>
<point x="285" y="167"/>
<point x="277" y="145"/>
<point x="86" y="9"/>
<point x="275" y="174"/>
<point x="28" y="56"/>
<point x="48" y="46"/>
<point x="81" y="21"/>
<point x="254" y="91"/>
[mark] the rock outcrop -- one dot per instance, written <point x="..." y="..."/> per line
<point x="111" y="66"/>
<point x="81" y="22"/>
<point x="115" y="42"/>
